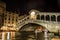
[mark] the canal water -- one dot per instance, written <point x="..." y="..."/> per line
<point x="30" y="36"/>
<point x="27" y="32"/>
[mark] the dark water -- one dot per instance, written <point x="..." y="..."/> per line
<point x="27" y="32"/>
<point x="30" y="36"/>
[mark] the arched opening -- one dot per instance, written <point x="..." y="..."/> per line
<point x="38" y="17"/>
<point x="42" y="17"/>
<point x="53" y="18"/>
<point x="28" y="32"/>
<point x="58" y="18"/>
<point x="47" y="17"/>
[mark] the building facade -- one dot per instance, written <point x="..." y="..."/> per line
<point x="10" y="20"/>
<point x="2" y="11"/>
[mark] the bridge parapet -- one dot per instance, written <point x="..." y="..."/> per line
<point x="46" y="15"/>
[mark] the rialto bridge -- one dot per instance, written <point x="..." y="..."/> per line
<point x="51" y="21"/>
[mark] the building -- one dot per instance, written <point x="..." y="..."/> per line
<point x="10" y="20"/>
<point x="2" y="11"/>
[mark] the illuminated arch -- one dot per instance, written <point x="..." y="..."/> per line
<point x="47" y="17"/>
<point x="53" y="18"/>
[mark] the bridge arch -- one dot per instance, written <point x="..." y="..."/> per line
<point x="30" y="31"/>
<point x="53" y="18"/>
<point x="38" y="17"/>
<point x="47" y="17"/>
<point x="42" y="17"/>
<point x="58" y="18"/>
<point x="33" y="24"/>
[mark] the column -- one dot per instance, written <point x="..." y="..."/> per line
<point x="45" y="17"/>
<point x="8" y="35"/>
<point x="56" y="18"/>
<point x="45" y="34"/>
<point x="40" y="17"/>
<point x="50" y="18"/>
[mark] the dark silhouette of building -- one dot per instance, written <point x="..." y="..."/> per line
<point x="2" y="11"/>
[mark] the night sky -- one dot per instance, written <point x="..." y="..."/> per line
<point x="24" y="6"/>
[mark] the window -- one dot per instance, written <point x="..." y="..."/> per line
<point x="9" y="19"/>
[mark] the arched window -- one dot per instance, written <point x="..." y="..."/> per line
<point x="38" y="16"/>
<point x="42" y="17"/>
<point x="58" y="18"/>
<point x="53" y="18"/>
<point x="47" y="17"/>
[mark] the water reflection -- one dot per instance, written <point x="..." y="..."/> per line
<point x="27" y="32"/>
<point x="27" y="35"/>
<point x="30" y="36"/>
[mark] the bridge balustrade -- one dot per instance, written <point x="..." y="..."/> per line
<point x="48" y="17"/>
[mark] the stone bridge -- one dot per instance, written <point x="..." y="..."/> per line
<point x="50" y="21"/>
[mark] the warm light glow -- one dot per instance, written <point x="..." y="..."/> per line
<point x="57" y="27"/>
<point x="14" y="25"/>
<point x="2" y="35"/>
<point x="9" y="24"/>
<point x="32" y="13"/>
<point x="4" y="28"/>
<point x="8" y="35"/>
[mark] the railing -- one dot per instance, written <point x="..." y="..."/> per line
<point x="38" y="21"/>
<point x="23" y="19"/>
